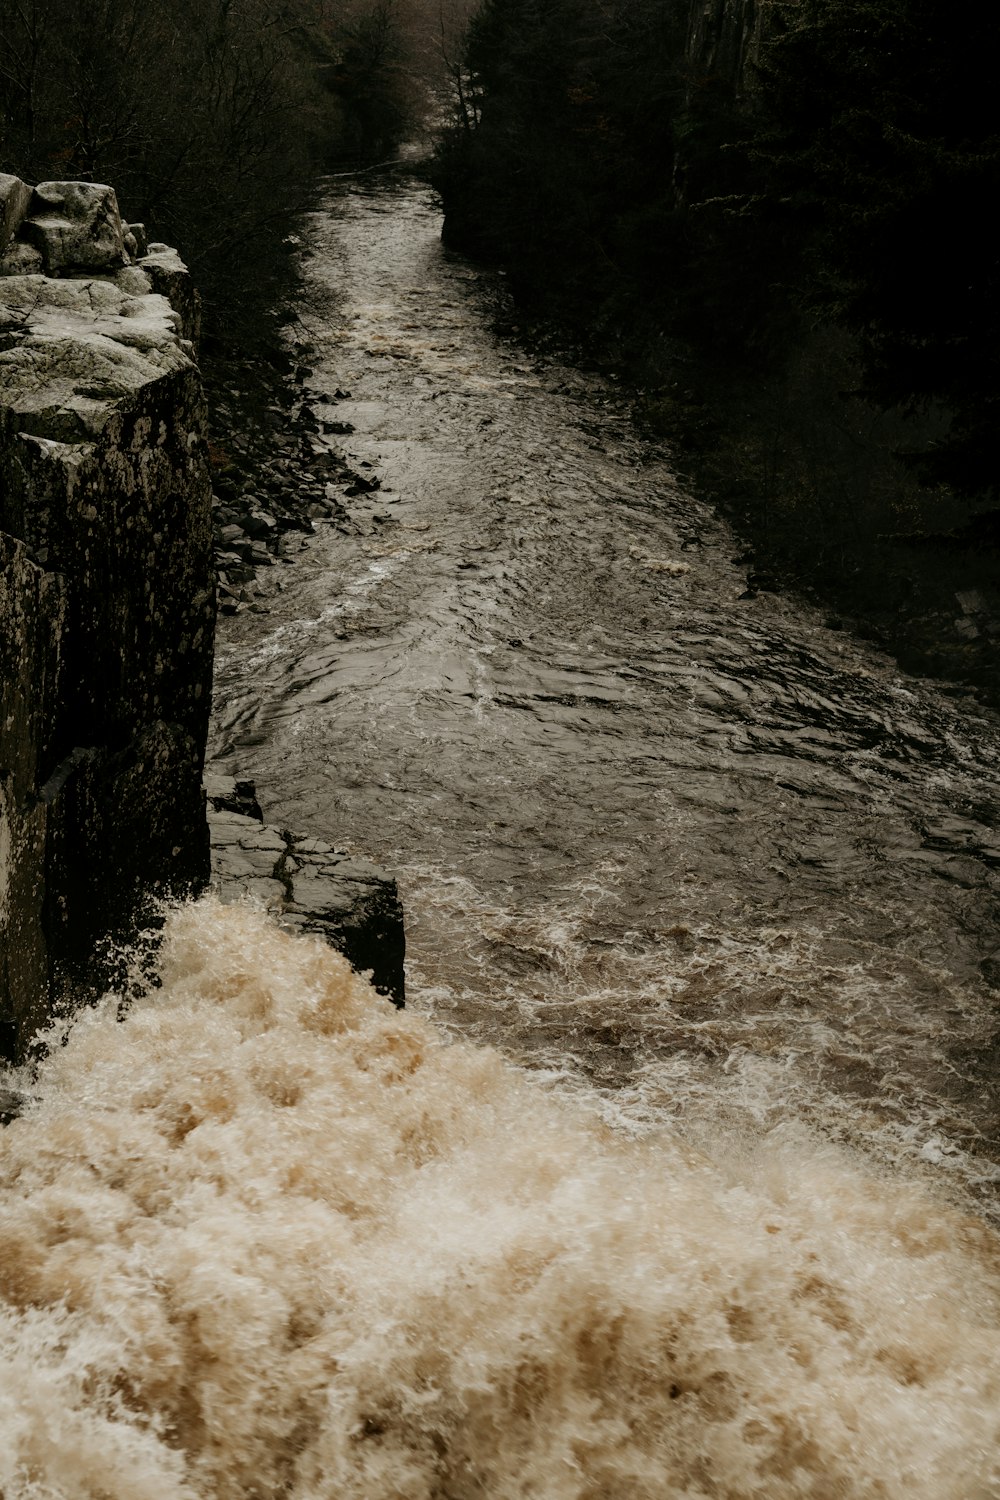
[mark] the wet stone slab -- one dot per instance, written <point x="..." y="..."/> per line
<point x="307" y="883"/>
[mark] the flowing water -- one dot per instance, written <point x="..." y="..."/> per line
<point x="712" y="1217"/>
<point x="693" y="849"/>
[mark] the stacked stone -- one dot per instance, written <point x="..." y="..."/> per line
<point x="107" y="600"/>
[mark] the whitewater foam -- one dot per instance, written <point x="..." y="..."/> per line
<point x="266" y="1236"/>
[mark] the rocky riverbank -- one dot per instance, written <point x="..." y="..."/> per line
<point x="279" y="473"/>
<point x="278" y="470"/>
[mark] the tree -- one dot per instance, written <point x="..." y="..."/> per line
<point x="883" y="148"/>
<point x="205" y="115"/>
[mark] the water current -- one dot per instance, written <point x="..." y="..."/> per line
<point x="677" y="1179"/>
<point x="695" y="849"/>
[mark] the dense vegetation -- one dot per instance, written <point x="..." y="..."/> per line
<point x="778" y="213"/>
<point x="842" y="163"/>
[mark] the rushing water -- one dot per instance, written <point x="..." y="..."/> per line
<point x="268" y="1237"/>
<point x="696" y="849"/>
<point x="718" y="881"/>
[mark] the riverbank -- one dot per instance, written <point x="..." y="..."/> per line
<point x="810" y="478"/>
<point x="808" y="475"/>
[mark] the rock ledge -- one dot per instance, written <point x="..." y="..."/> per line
<point x="307" y="884"/>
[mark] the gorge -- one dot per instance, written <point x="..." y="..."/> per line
<point x="678" y="1176"/>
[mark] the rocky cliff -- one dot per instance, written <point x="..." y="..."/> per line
<point x="107" y="606"/>
<point x="106" y="594"/>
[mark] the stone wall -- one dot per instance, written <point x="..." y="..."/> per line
<point x="107" y="596"/>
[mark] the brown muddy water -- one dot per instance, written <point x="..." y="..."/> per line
<point x="678" y="1177"/>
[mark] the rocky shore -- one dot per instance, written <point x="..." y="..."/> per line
<point x="277" y="471"/>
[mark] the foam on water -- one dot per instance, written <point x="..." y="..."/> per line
<point x="265" y="1236"/>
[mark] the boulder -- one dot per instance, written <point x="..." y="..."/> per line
<point x="76" y="226"/>
<point x="71" y="349"/>
<point x="15" y="199"/>
<point x="11" y="1105"/>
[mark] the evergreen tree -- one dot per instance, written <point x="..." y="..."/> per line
<point x="884" y="148"/>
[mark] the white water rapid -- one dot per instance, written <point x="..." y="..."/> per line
<point x="269" y="1237"/>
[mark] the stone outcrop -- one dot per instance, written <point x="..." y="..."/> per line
<point x="106" y="600"/>
<point x="307" y="884"/>
<point x="15" y="200"/>
<point x="107" y="612"/>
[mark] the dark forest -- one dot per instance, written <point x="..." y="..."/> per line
<point x="776" y="218"/>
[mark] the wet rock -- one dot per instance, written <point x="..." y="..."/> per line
<point x="228" y="794"/>
<point x="362" y="486"/>
<point x="32" y="617"/>
<point x="990" y="970"/>
<point x="11" y="1105"/>
<point x="258" y="525"/>
<point x="355" y="906"/>
<point x="307" y="883"/>
<point x="229" y="536"/>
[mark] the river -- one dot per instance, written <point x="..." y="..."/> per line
<point x="694" y="850"/>
<point x="677" y="1178"/>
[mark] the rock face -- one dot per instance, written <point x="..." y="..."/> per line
<point x="15" y="200"/>
<point x="75" y="226"/>
<point x="107" y="610"/>
<point x="724" y="38"/>
<point x="308" y="884"/>
<point x="106" y="598"/>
